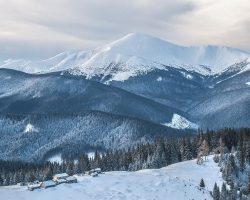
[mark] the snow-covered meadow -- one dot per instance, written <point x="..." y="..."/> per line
<point x="174" y="182"/>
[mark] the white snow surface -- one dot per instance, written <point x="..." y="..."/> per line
<point x="186" y="75"/>
<point x="180" y="122"/>
<point x="159" y="79"/>
<point x="30" y="128"/>
<point x="248" y="83"/>
<point x="56" y="159"/>
<point x="174" y="182"/>
<point x="133" y="55"/>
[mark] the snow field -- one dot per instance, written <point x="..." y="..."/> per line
<point x="174" y="182"/>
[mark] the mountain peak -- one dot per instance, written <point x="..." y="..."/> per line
<point x="140" y="36"/>
<point x="136" y="53"/>
<point x="140" y="40"/>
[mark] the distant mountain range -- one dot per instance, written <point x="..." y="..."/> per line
<point x="139" y="78"/>
<point x="134" y="54"/>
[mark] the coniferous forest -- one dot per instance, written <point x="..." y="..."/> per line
<point x="231" y="148"/>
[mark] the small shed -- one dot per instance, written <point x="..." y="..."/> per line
<point x="98" y="170"/>
<point x="91" y="171"/>
<point x="21" y="184"/>
<point x="34" y="185"/>
<point x="59" y="181"/>
<point x="71" y="179"/>
<point x="48" y="184"/>
<point x="94" y="174"/>
<point x="60" y="176"/>
<point x="95" y="171"/>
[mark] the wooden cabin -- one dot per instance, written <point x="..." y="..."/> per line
<point x="98" y="170"/>
<point x="34" y="185"/>
<point x="95" y="171"/>
<point x="48" y="184"/>
<point x="57" y="177"/>
<point x="60" y="181"/>
<point x="94" y="174"/>
<point x="71" y="179"/>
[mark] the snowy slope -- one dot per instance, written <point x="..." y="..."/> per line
<point x="180" y="122"/>
<point x="178" y="181"/>
<point x="133" y="55"/>
<point x="137" y="45"/>
<point x="53" y="93"/>
<point x="72" y="134"/>
<point x="62" y="61"/>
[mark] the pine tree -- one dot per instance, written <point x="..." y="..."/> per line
<point x="223" y="194"/>
<point x="248" y="186"/>
<point x="202" y="183"/>
<point x="216" y="192"/>
<point x="223" y="149"/>
<point x="187" y="154"/>
<point x="203" y="151"/>
<point x="248" y="151"/>
<point x="232" y="192"/>
<point x="240" y="195"/>
<point x="240" y="153"/>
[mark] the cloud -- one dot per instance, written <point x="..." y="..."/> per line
<point x="42" y="28"/>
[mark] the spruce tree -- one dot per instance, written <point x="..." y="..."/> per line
<point x="223" y="194"/>
<point x="248" y="151"/>
<point x="248" y="186"/>
<point x="232" y="192"/>
<point x="240" y="153"/>
<point x="202" y="183"/>
<point x="216" y="192"/>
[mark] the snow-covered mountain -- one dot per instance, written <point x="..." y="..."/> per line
<point x="22" y="93"/>
<point x="33" y="137"/>
<point x="151" y="87"/>
<point x="133" y="55"/>
<point x="157" y="78"/>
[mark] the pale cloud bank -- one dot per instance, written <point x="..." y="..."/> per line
<point x="42" y="28"/>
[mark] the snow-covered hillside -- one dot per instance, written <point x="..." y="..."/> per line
<point x="174" y="182"/>
<point x="132" y="55"/>
<point x="180" y="122"/>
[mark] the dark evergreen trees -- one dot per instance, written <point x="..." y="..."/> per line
<point x="202" y="183"/>
<point x="154" y="154"/>
<point x="216" y="192"/>
<point x="223" y="194"/>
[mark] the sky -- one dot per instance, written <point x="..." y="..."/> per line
<point x="34" y="29"/>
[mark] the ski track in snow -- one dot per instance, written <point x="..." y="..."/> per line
<point x="174" y="182"/>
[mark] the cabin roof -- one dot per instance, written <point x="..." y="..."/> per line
<point x="61" y="175"/>
<point x="71" y="178"/>
<point x="34" y="185"/>
<point x="48" y="183"/>
<point x="61" y="180"/>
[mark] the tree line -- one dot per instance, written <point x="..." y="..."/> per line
<point x="159" y="153"/>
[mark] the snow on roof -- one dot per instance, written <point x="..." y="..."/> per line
<point x="34" y="185"/>
<point x="48" y="183"/>
<point x="71" y="178"/>
<point x="61" y="180"/>
<point x="144" y="182"/>
<point x="61" y="175"/>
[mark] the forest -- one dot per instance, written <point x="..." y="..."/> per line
<point x="230" y="147"/>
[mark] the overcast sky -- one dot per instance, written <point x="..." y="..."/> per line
<point x="42" y="28"/>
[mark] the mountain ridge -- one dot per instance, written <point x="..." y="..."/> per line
<point x="134" y="54"/>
